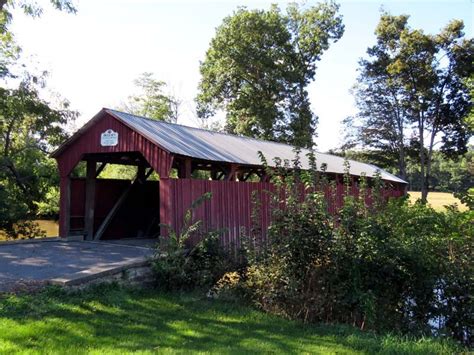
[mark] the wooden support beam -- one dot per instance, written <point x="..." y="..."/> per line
<point x="110" y="160"/>
<point x="90" y="200"/>
<point x="100" y="169"/>
<point x="64" y="206"/>
<point x="264" y="177"/>
<point x="245" y="177"/>
<point x="141" y="174"/>
<point x="354" y="181"/>
<point x="148" y="173"/>
<point x="180" y="167"/>
<point x="231" y="173"/>
<point x="188" y="168"/>
<point x="185" y="168"/>
<point x="115" y="158"/>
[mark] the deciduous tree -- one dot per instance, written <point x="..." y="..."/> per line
<point x="412" y="93"/>
<point x="30" y="128"/>
<point x="259" y="65"/>
<point x="152" y="101"/>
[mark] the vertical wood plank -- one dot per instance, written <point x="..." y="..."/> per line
<point x="65" y="206"/>
<point x="90" y="200"/>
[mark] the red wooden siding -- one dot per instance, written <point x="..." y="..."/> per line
<point x="228" y="210"/>
<point x="89" y="142"/>
<point x="230" y="207"/>
<point x="78" y="200"/>
<point x="128" y="141"/>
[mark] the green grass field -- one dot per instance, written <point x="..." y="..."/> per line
<point x="111" y="320"/>
<point x="438" y="200"/>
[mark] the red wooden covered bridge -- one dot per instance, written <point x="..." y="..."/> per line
<point x="106" y="208"/>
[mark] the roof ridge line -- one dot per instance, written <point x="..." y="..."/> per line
<point x="247" y="141"/>
<point x="210" y="131"/>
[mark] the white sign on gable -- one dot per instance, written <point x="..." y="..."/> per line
<point x="109" y="138"/>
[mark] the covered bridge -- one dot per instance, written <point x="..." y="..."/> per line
<point x="105" y="208"/>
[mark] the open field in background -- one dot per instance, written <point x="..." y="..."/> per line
<point x="438" y="200"/>
<point x="110" y="320"/>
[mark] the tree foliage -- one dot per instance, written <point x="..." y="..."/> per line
<point x="30" y="127"/>
<point x="9" y="50"/>
<point x="470" y="117"/>
<point x="181" y="264"/>
<point x="447" y="174"/>
<point x="152" y="101"/>
<point x="32" y="8"/>
<point x="385" y="265"/>
<point x="259" y="65"/>
<point x="412" y="94"/>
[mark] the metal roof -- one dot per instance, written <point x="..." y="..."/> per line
<point x="222" y="147"/>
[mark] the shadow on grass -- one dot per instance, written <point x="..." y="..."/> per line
<point x="108" y="319"/>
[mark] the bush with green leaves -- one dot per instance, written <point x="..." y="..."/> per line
<point x="387" y="265"/>
<point x="466" y="197"/>
<point x="178" y="264"/>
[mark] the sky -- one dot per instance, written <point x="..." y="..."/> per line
<point x="94" y="56"/>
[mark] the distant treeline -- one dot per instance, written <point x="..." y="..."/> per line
<point x="447" y="175"/>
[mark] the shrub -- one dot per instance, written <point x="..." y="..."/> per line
<point x="229" y="287"/>
<point x="178" y="265"/>
<point x="385" y="266"/>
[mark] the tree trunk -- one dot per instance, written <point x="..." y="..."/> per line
<point x="424" y="186"/>
<point x="399" y="121"/>
<point x="429" y="159"/>
<point x="402" y="170"/>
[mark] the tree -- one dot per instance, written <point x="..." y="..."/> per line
<point x="152" y="101"/>
<point x="412" y="94"/>
<point x="470" y="117"/>
<point x="30" y="128"/>
<point x="33" y="9"/>
<point x="9" y="51"/>
<point x="258" y="67"/>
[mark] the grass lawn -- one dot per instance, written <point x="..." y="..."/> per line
<point x="438" y="200"/>
<point x="108" y="319"/>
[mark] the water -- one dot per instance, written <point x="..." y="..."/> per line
<point x="51" y="228"/>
